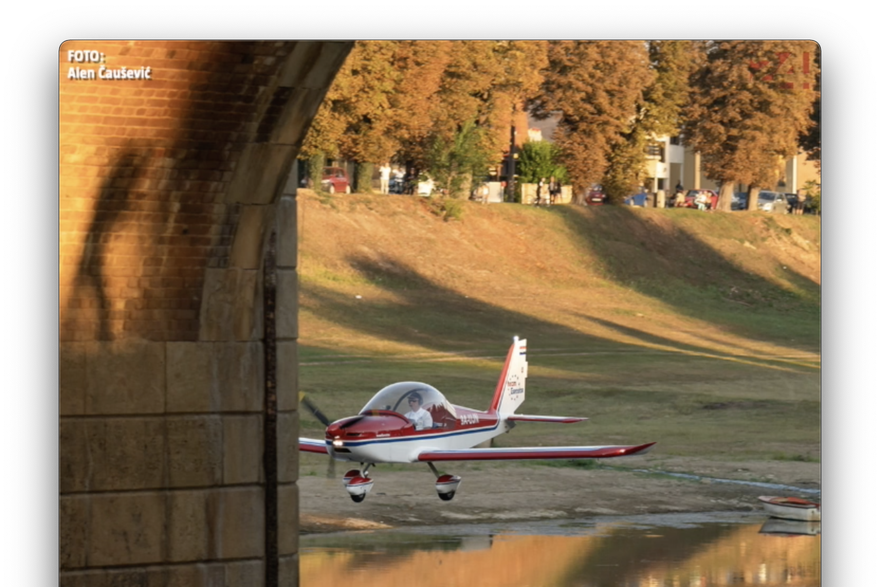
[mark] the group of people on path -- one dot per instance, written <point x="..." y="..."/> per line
<point x="391" y="180"/>
<point x="547" y="193"/>
<point x="702" y="199"/>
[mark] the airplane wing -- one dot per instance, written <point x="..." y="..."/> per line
<point x="556" y="419"/>
<point x="535" y="452"/>
<point x="313" y="445"/>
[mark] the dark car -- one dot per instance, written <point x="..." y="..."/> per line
<point x="739" y="201"/>
<point x="335" y="180"/>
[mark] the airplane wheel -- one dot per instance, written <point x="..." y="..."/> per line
<point x="446" y="496"/>
<point x="358" y="498"/>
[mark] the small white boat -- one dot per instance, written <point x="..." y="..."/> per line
<point x="792" y="508"/>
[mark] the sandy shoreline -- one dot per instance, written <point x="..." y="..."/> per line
<point x="530" y="492"/>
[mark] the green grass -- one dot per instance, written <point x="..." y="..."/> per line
<point x="692" y="330"/>
<point x="797" y="458"/>
<point x="689" y="405"/>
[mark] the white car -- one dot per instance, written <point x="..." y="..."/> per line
<point x="767" y="201"/>
<point x="425" y="188"/>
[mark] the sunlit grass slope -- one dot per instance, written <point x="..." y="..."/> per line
<point x="698" y="330"/>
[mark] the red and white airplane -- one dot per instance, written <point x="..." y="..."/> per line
<point x="411" y="422"/>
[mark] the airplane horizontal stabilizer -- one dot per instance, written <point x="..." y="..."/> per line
<point x="535" y="452"/>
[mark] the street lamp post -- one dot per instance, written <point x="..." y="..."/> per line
<point x="511" y="166"/>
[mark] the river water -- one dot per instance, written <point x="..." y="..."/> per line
<point x="670" y="550"/>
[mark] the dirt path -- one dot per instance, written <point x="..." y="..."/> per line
<point x="526" y="492"/>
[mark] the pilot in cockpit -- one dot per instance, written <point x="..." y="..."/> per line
<point x="418" y="415"/>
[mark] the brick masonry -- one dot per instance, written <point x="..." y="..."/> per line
<point x="168" y="190"/>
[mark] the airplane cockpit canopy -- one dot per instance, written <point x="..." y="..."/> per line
<point x="394" y="397"/>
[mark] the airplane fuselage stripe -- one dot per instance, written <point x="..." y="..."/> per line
<point x="393" y="439"/>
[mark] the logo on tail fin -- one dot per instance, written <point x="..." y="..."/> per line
<point x="511" y="389"/>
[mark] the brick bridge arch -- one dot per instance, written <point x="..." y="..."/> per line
<point x="171" y="185"/>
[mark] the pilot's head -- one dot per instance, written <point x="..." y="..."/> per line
<point x="415" y="400"/>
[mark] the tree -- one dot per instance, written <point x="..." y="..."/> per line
<point x="412" y="100"/>
<point x="673" y="62"/>
<point x="597" y="87"/>
<point x="453" y="162"/>
<point x="811" y="140"/>
<point x="354" y="119"/>
<point x="362" y="98"/>
<point x="749" y="103"/>
<point x="485" y="83"/>
<point x="659" y="113"/>
<point x="421" y="66"/>
<point x="540" y="159"/>
<point x="626" y="165"/>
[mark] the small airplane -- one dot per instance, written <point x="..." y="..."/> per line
<point x="412" y="422"/>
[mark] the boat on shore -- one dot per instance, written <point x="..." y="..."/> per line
<point x="792" y="508"/>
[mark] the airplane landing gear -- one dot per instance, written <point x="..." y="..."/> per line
<point x="446" y="484"/>
<point x="358" y="484"/>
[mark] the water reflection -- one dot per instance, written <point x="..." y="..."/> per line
<point x="638" y="552"/>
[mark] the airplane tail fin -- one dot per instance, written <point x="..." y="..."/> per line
<point x="511" y="389"/>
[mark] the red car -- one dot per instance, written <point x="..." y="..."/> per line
<point x="335" y="180"/>
<point x="711" y="201"/>
<point x="596" y="196"/>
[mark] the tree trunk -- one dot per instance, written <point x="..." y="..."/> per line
<point x="316" y="169"/>
<point x="753" y="197"/>
<point x="725" y="196"/>
<point x="364" y="180"/>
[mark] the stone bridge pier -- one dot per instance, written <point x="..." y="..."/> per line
<point x="178" y="308"/>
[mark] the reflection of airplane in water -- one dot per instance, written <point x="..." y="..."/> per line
<point x="412" y="422"/>
<point x="791" y="527"/>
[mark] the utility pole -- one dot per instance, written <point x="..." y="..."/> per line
<point x="511" y="166"/>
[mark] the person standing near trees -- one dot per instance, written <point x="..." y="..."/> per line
<point x="678" y="201"/>
<point x="554" y="190"/>
<point x="384" y="176"/>
<point x="801" y="201"/>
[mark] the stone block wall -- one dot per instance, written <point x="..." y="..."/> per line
<point x="170" y="188"/>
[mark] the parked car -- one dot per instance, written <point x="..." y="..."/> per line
<point x="335" y="180"/>
<point x="640" y="199"/>
<point x="711" y="199"/>
<point x="739" y="201"/>
<point x="425" y="186"/>
<point x="595" y="196"/>
<point x="772" y="202"/>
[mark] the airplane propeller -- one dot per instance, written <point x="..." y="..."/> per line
<point x="316" y="412"/>
<point x="323" y="419"/>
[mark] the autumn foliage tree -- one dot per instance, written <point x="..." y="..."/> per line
<point x="750" y="101"/>
<point x="597" y="88"/>
<point x="411" y="100"/>
<point x="665" y="98"/>
<point x="811" y="140"/>
<point x="659" y="113"/>
<point x="484" y="85"/>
